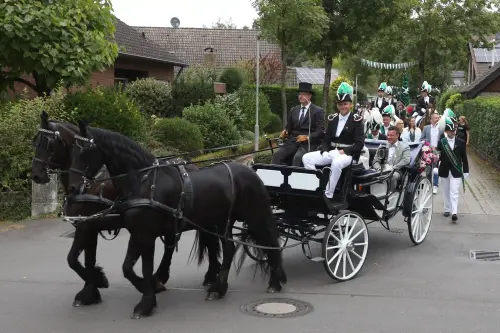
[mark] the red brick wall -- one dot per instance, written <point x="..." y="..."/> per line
<point x="157" y="70"/>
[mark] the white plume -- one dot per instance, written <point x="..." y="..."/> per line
<point x="442" y="123"/>
<point x="377" y="116"/>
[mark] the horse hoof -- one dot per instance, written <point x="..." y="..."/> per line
<point x="212" y="296"/>
<point x="272" y="290"/>
<point x="77" y="303"/>
<point x="136" y="315"/>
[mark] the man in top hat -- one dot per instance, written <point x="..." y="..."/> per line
<point x="380" y="101"/>
<point x="344" y="140"/>
<point x="304" y="129"/>
<point x="424" y="100"/>
<point x="453" y="168"/>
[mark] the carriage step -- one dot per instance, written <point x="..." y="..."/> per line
<point x="318" y="259"/>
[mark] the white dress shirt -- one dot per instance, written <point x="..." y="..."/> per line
<point x="434" y="135"/>
<point x="451" y="142"/>
<point x="342" y="122"/>
<point x="304" y="110"/>
<point x="392" y="149"/>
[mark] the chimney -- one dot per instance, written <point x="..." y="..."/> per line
<point x="209" y="58"/>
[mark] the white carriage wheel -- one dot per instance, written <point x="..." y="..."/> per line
<point x="420" y="218"/>
<point x="345" y="246"/>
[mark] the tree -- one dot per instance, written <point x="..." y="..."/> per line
<point x="351" y="24"/>
<point x="293" y="25"/>
<point x="55" y="40"/>
<point x="229" y="24"/>
<point x="435" y="34"/>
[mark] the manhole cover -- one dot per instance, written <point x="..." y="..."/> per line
<point x="277" y="308"/>
<point x="484" y="255"/>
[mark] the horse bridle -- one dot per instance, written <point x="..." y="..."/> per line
<point x="86" y="181"/>
<point x="48" y="164"/>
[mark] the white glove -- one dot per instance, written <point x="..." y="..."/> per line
<point x="466" y="175"/>
<point x="435" y="171"/>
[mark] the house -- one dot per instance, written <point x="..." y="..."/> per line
<point x="138" y="57"/>
<point x="481" y="59"/>
<point x="487" y="84"/>
<point x="225" y="47"/>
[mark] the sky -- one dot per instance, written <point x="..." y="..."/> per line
<point x="191" y="13"/>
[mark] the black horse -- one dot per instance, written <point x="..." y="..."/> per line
<point x="211" y="199"/>
<point x="53" y="146"/>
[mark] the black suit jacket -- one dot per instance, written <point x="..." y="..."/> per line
<point x="445" y="165"/>
<point x="421" y="104"/>
<point x="375" y="103"/>
<point x="353" y="134"/>
<point x="296" y="128"/>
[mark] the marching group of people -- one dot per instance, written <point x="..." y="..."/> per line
<point x="307" y="143"/>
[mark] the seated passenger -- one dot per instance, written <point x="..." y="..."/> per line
<point x="344" y="139"/>
<point x="398" y="156"/>
<point x="297" y="129"/>
<point x="375" y="132"/>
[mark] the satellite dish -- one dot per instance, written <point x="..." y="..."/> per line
<point x="175" y="22"/>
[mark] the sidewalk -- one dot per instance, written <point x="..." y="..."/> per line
<point x="482" y="190"/>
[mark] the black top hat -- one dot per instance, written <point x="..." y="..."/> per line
<point x="305" y="87"/>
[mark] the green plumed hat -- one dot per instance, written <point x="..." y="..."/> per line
<point x="426" y="87"/>
<point x="388" y="111"/>
<point x="344" y="92"/>
<point x="449" y="114"/>
<point x="450" y="126"/>
<point x="382" y="87"/>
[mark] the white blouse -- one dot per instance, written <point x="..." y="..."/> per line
<point x="405" y="136"/>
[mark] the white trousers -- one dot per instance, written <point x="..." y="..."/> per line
<point x="450" y="187"/>
<point x="336" y="161"/>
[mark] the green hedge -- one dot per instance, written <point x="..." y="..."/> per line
<point x="153" y="97"/>
<point x="273" y="93"/>
<point x="483" y="113"/>
<point x="178" y="133"/>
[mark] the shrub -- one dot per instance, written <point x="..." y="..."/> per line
<point x="231" y="104"/>
<point x="441" y="103"/>
<point x="233" y="78"/>
<point x="273" y="93"/>
<point x="263" y="157"/>
<point x="482" y="113"/>
<point x="153" y="97"/>
<point x="247" y="136"/>
<point x="178" y="133"/>
<point x="453" y="101"/>
<point x="247" y="104"/>
<point x="216" y="128"/>
<point x="194" y="86"/>
<point x="274" y="125"/>
<point x="107" y="108"/>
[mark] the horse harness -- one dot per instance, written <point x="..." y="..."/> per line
<point x="184" y="205"/>
<point x="49" y="165"/>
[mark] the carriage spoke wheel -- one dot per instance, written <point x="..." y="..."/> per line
<point x="421" y="211"/>
<point x="345" y="246"/>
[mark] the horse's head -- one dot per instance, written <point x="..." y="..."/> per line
<point x="86" y="159"/>
<point x="52" y="145"/>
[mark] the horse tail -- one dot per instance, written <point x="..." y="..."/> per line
<point x="201" y="243"/>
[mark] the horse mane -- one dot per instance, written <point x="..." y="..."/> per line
<point x="116" y="144"/>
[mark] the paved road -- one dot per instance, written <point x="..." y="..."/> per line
<point x="434" y="287"/>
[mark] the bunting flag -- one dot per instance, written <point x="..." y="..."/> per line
<point x="384" y="65"/>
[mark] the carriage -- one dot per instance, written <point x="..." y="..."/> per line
<point x="361" y="198"/>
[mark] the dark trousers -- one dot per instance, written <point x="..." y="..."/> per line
<point x="289" y="151"/>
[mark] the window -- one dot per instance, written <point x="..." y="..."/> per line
<point x="124" y="76"/>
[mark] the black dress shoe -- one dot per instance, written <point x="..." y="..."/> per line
<point x="454" y="217"/>
<point x="446" y="214"/>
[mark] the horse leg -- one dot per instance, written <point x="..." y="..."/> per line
<point x="212" y="244"/>
<point x="131" y="258"/>
<point x="267" y="235"/>
<point x="163" y="273"/>
<point x="219" y="288"/>
<point x="87" y="295"/>
<point x="148" y="301"/>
